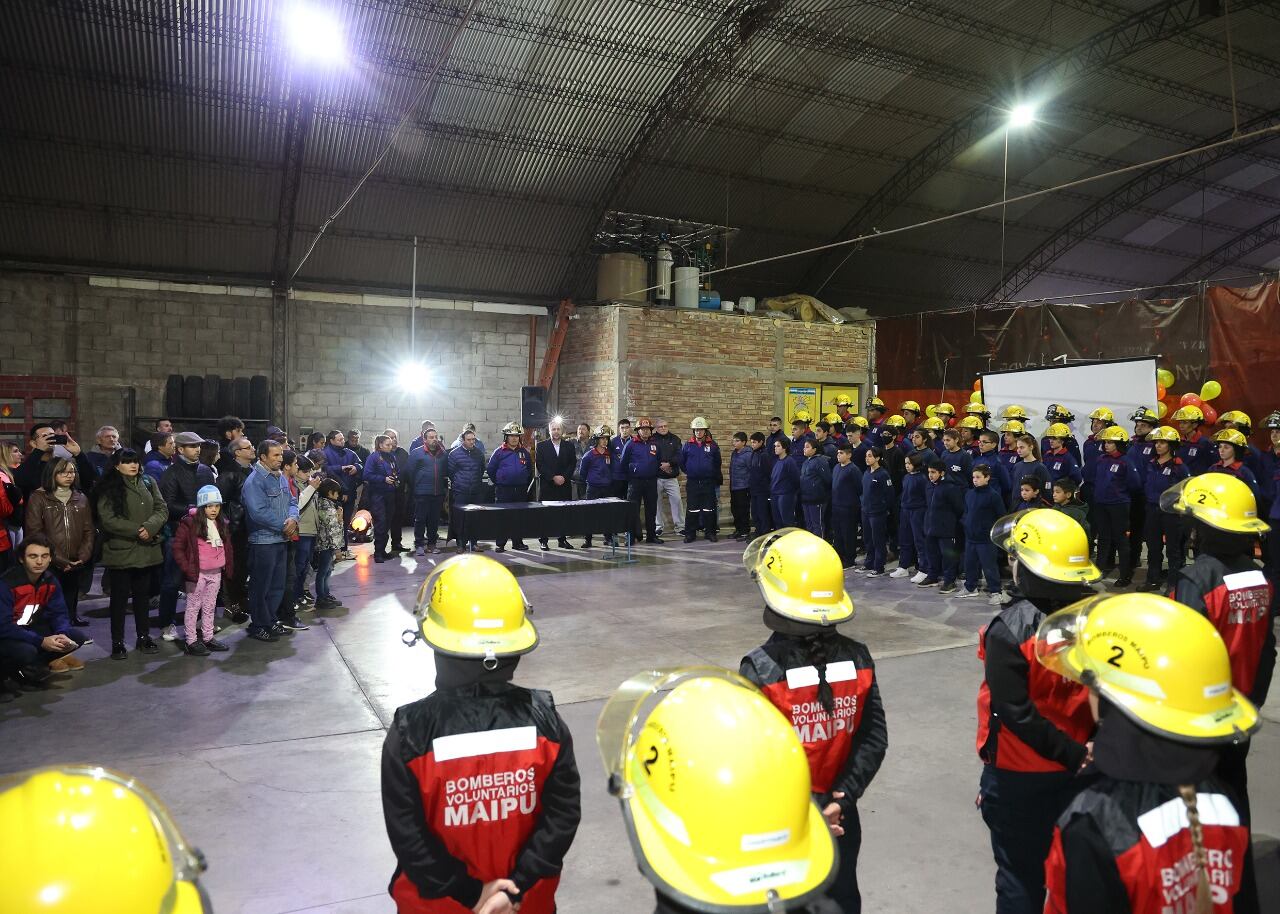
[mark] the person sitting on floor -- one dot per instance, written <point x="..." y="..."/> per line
<point x="36" y="638"/>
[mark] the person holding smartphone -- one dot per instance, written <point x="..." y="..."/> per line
<point x="29" y="475"/>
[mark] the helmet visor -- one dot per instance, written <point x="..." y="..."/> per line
<point x="1023" y="545"/>
<point x="757" y="548"/>
<point x="1209" y="507"/>
<point x="625" y="712"/>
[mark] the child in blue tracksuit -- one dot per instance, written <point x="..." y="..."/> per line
<point x="943" y="510"/>
<point x="1163" y="531"/>
<point x="989" y="455"/>
<point x="758" y="484"/>
<point x="784" y="487"/>
<point x="983" y="506"/>
<point x="815" y="485"/>
<point x="957" y="463"/>
<point x="740" y="486"/>
<point x="912" y="550"/>
<point x="1030" y="495"/>
<point x="846" y="498"/>
<point x="1060" y="463"/>
<point x="877" y="496"/>
<point x="1115" y="483"/>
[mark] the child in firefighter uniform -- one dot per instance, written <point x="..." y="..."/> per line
<point x="1033" y="725"/>
<point x="1156" y="833"/>
<point x="822" y="681"/>
<point x="480" y="791"/>
<point x="1227" y="586"/>
<point x="81" y="838"/>
<point x="715" y="795"/>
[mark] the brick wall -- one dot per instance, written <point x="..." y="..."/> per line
<point x="677" y="364"/>
<point x="343" y="355"/>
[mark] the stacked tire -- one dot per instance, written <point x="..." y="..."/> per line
<point x="212" y="397"/>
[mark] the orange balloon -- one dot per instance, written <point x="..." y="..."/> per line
<point x="1160" y="391"/>
<point x="1210" y="414"/>
<point x="977" y="385"/>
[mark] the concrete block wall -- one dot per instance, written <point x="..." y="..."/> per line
<point x="343" y="356"/>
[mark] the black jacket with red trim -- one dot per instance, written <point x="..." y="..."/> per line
<point x="1124" y="847"/>
<point x="23" y="603"/>
<point x="1029" y="719"/>
<point x="478" y="783"/>
<point x="845" y="750"/>
<point x="1237" y="598"/>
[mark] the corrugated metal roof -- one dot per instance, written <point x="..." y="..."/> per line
<point x="149" y="135"/>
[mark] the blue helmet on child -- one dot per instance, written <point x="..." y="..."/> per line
<point x="208" y="495"/>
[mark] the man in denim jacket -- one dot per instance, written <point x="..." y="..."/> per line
<point x="271" y="516"/>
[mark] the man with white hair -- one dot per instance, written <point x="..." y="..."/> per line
<point x="669" y="446"/>
<point x="555" y="460"/>
<point x="107" y="443"/>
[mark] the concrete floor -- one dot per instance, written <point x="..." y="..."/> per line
<point x="268" y="755"/>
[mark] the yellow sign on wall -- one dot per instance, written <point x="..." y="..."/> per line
<point x="818" y="399"/>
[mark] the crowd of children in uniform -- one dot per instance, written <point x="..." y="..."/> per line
<point x="912" y="486"/>
<point x="1113" y="728"/>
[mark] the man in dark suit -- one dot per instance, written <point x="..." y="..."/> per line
<point x="555" y="460"/>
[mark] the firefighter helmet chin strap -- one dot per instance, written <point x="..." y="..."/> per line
<point x="774" y="902"/>
<point x="410" y="636"/>
<point x="490" y="660"/>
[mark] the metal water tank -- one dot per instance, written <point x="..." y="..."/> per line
<point x="686" y="287"/>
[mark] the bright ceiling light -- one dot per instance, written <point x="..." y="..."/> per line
<point x="315" y="34"/>
<point x="1022" y="116"/>
<point x="413" y="377"/>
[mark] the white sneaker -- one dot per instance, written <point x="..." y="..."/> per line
<point x="170" y="633"/>
<point x="899" y="572"/>
<point x="999" y="599"/>
<point x="966" y="594"/>
<point x="918" y="577"/>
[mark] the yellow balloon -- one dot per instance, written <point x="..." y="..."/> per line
<point x="930" y="410"/>
<point x="1165" y="378"/>
<point x="1210" y="389"/>
<point x="1161" y="409"/>
<point x="975" y="397"/>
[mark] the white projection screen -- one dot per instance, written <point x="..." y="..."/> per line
<point x="1121" y="384"/>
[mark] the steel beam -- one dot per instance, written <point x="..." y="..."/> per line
<point x="1104" y="49"/>
<point x="1118" y="202"/>
<point x="1230" y="253"/>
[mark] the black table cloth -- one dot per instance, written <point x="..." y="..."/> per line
<point x="543" y="520"/>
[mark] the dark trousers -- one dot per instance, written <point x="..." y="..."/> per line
<point x="426" y="519"/>
<point x="549" y="491"/>
<point x="16" y="654"/>
<point x="69" y="580"/>
<point x="1164" y="532"/>
<point x="619" y="488"/>
<point x="504" y="495"/>
<point x="1137" y="527"/>
<point x="305" y="549"/>
<point x="598" y="492"/>
<point x="978" y="555"/>
<point x="911" y="547"/>
<point x="844" y="890"/>
<point x="236" y="587"/>
<point x="381" y="504"/>
<point x="813" y="517"/>
<point x="644" y="492"/>
<point x="1113" y="537"/>
<point x="701" y="511"/>
<point x="761" y="513"/>
<point x="1272" y="554"/>
<point x="784" y="509"/>
<point x="399" y="517"/>
<point x="170" y="583"/>
<point x="292" y="583"/>
<point x="129" y="584"/>
<point x="458" y="499"/>
<point x="875" y="535"/>
<point x="740" y="508"/>
<point x="944" y="558"/>
<point x="844" y="532"/>
<point x="1020" y="809"/>
<point x="267" y="563"/>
